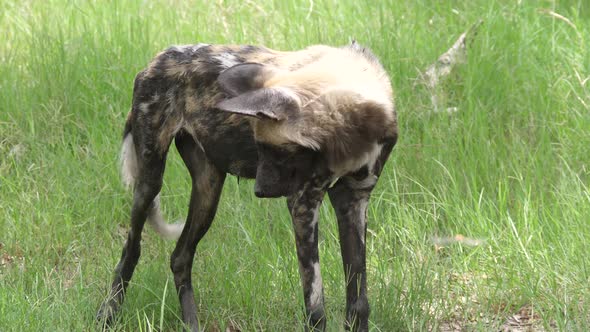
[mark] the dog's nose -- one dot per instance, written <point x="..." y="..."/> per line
<point x="266" y="193"/>
<point x="259" y="193"/>
<point x="262" y="191"/>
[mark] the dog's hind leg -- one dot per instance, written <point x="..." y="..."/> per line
<point x="149" y="170"/>
<point x="207" y="183"/>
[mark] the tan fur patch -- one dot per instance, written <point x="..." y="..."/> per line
<point x="234" y="120"/>
<point x="175" y="69"/>
<point x="169" y="128"/>
<point x="192" y="100"/>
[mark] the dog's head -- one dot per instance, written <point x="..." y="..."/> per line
<point x="329" y="114"/>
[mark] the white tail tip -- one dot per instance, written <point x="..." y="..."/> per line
<point x="129" y="170"/>
<point x="159" y="224"/>
<point x="128" y="160"/>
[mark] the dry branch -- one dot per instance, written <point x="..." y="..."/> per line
<point x="444" y="65"/>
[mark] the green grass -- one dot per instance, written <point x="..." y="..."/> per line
<point x="511" y="167"/>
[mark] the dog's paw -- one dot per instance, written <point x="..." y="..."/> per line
<point x="107" y="313"/>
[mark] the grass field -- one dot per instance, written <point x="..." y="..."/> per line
<point x="510" y="168"/>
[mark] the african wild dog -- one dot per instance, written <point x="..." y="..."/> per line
<point x="301" y="123"/>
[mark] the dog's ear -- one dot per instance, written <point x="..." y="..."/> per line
<point x="266" y="103"/>
<point x="244" y="83"/>
<point x="243" y="78"/>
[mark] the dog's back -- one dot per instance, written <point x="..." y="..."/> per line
<point x="179" y="92"/>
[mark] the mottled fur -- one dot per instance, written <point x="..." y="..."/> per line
<point x="297" y="122"/>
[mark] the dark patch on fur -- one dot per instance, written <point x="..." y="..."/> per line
<point x="241" y="78"/>
<point x="361" y="174"/>
<point x="251" y="49"/>
<point x="230" y="147"/>
<point x="283" y="171"/>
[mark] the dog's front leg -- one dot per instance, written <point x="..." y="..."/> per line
<point x="350" y="206"/>
<point x="304" y="209"/>
<point x="350" y="199"/>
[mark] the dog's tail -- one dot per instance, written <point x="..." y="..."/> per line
<point x="129" y="172"/>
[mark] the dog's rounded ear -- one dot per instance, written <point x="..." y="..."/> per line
<point x="244" y="78"/>
<point x="244" y="84"/>
<point x="266" y="103"/>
